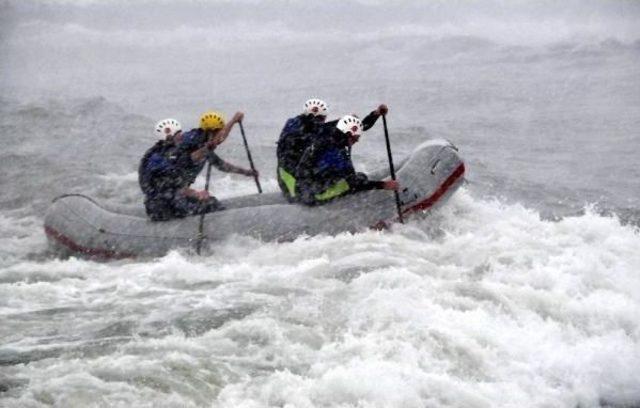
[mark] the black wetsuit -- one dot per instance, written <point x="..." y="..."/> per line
<point x="294" y="140"/>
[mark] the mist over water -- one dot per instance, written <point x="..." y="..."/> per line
<point x="523" y="290"/>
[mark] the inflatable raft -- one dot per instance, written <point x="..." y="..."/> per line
<point x="78" y="225"/>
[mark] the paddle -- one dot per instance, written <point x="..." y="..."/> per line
<point x="201" y="225"/>
<point x="246" y="147"/>
<point x="391" y="168"/>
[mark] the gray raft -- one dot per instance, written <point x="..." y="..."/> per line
<point x="78" y="225"/>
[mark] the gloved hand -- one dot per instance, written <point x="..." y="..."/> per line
<point x="382" y="109"/>
<point x="202" y="195"/>
<point x="391" y="185"/>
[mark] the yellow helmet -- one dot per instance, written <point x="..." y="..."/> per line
<point x="211" y="120"/>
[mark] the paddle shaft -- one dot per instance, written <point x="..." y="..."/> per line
<point x="201" y="224"/>
<point x="246" y="147"/>
<point x="391" y="168"/>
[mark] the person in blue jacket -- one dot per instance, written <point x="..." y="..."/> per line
<point x="158" y="174"/>
<point x="298" y="134"/>
<point x="293" y="141"/>
<point x="198" y="145"/>
<point x="326" y="172"/>
<point x="169" y="168"/>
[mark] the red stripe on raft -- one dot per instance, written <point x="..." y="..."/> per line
<point x="429" y="201"/>
<point x="76" y="248"/>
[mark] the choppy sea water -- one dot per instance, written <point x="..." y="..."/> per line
<point x="523" y="290"/>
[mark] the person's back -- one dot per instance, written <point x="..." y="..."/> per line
<point x="192" y="140"/>
<point x="151" y="165"/>
<point x="294" y="139"/>
<point x="159" y="175"/>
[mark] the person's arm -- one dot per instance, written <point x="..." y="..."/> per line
<point x="224" y="133"/>
<point x="331" y="124"/>
<point x="230" y="168"/>
<point x="226" y="167"/>
<point x="200" y="154"/>
<point x="370" y="119"/>
<point x="360" y="182"/>
<point x="201" y="195"/>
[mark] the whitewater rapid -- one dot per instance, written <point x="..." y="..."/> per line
<point x="483" y="304"/>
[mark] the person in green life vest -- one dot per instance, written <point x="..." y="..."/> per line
<point x="325" y="170"/>
<point x="298" y="133"/>
<point x="294" y="139"/>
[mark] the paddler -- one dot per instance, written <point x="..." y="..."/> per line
<point x="169" y="168"/>
<point x="326" y="172"/>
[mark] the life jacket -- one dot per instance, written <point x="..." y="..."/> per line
<point x="158" y="173"/>
<point x="325" y="176"/>
<point x="294" y="139"/>
<point x="334" y="161"/>
<point x="193" y="140"/>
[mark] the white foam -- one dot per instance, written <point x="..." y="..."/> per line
<point x="482" y="304"/>
<point x="21" y="236"/>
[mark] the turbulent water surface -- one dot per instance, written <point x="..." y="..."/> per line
<point x="523" y="290"/>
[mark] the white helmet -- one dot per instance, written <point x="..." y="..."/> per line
<point x="316" y="107"/>
<point x="168" y="127"/>
<point x="351" y="124"/>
